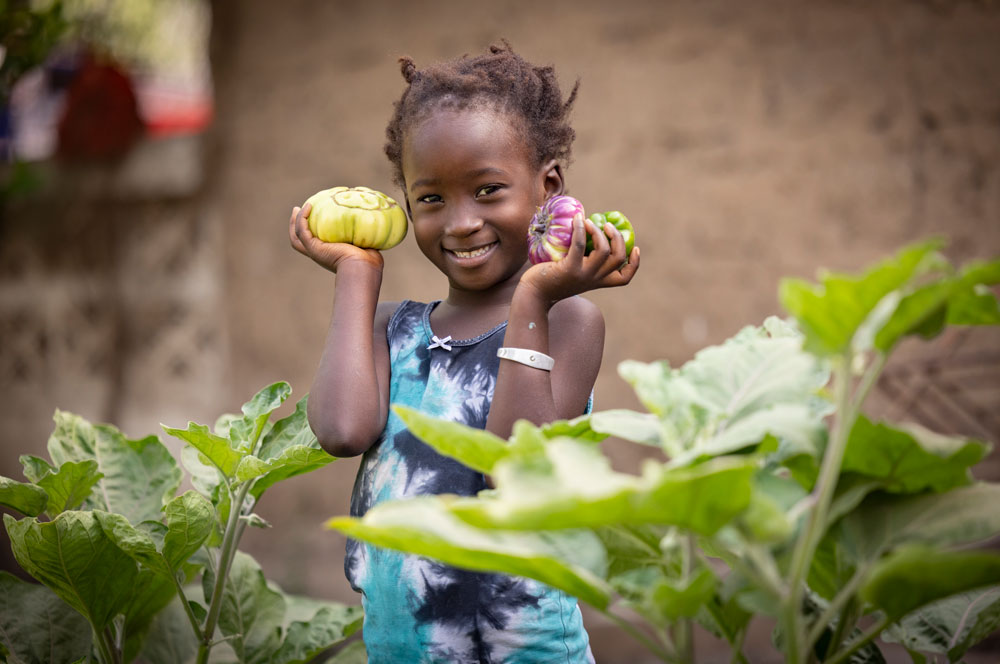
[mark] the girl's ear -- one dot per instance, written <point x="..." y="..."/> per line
<point x="552" y="179"/>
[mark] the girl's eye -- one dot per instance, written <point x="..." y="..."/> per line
<point x="429" y="199"/>
<point x="488" y="189"/>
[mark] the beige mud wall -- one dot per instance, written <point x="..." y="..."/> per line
<point x="746" y="140"/>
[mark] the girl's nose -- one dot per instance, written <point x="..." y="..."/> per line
<point x="463" y="222"/>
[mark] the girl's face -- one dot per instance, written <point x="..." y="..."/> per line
<point x="472" y="190"/>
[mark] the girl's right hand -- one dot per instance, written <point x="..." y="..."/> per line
<point x="331" y="255"/>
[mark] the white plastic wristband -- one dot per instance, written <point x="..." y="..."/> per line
<point x="531" y="358"/>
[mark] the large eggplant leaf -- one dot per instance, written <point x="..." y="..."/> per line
<point x="951" y="625"/>
<point x="476" y="448"/>
<point x="252" y="612"/>
<point x="26" y="498"/>
<point x="910" y="458"/>
<point x="578" y="489"/>
<point x="572" y="561"/>
<point x="965" y="515"/>
<point x="731" y="396"/>
<point x="139" y="475"/>
<point x="72" y="555"/>
<point x="37" y="627"/>
<point x="831" y="312"/>
<point x="917" y="575"/>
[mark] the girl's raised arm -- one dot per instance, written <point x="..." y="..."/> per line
<point x="349" y="398"/>
<point x="545" y="317"/>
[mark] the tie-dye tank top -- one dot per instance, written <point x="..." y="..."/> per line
<point x="419" y="610"/>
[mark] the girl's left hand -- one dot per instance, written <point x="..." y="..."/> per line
<point x="604" y="267"/>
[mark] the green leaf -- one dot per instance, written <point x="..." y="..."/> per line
<point x="578" y="488"/>
<point x="27" y="499"/>
<point x="352" y="653"/>
<point x="631" y="546"/>
<point x="578" y="427"/>
<point x="961" y="516"/>
<point x="245" y="431"/>
<point x="974" y="307"/>
<point x="190" y="518"/>
<point x="683" y="599"/>
<point x="153" y="593"/>
<point x="215" y="448"/>
<point x="951" y="625"/>
<point x="38" y="627"/>
<point x="475" y="448"/>
<point x="289" y="432"/>
<point x="250" y="467"/>
<point x="643" y="428"/>
<point x="305" y="639"/>
<point x="71" y="555"/>
<point x="731" y="396"/>
<point x="830" y="313"/>
<point x="170" y="638"/>
<point x="910" y="458"/>
<point x="139" y="475"/>
<point x="917" y="575"/>
<point x="293" y="460"/>
<point x="252" y="613"/>
<point x="205" y="477"/>
<point x="572" y="561"/>
<point x="35" y="468"/>
<point x="70" y="485"/>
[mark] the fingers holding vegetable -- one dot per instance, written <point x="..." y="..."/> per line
<point x="606" y="255"/>
<point x="345" y="223"/>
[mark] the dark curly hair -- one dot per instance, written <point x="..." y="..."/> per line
<point x="501" y="79"/>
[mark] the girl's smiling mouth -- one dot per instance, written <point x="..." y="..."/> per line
<point x="471" y="254"/>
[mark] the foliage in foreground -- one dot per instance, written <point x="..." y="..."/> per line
<point x="132" y="571"/>
<point x="779" y="497"/>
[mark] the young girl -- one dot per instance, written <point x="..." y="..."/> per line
<point x="476" y="145"/>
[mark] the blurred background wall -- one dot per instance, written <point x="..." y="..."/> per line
<point x="746" y="140"/>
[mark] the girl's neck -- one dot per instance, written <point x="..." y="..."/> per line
<point x="466" y="314"/>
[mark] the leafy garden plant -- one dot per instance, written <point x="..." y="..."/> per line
<point x="779" y="498"/>
<point x="133" y="572"/>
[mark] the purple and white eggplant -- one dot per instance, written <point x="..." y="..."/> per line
<point x="551" y="229"/>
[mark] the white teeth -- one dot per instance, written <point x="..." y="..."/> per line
<point x="472" y="254"/>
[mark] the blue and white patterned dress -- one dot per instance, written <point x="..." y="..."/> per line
<point x="419" y="610"/>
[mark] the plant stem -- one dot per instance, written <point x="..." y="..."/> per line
<point x="844" y="624"/>
<point x="103" y="654"/>
<point x="187" y="609"/>
<point x="684" y="637"/>
<point x="837" y="605"/>
<point x="229" y="541"/>
<point x="808" y="540"/>
<point x="637" y="634"/>
<point x="737" y="646"/>
<point x="868" y="381"/>
<point x="862" y="639"/>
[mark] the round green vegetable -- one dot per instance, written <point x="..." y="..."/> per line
<point x="619" y="221"/>
<point x="357" y="215"/>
